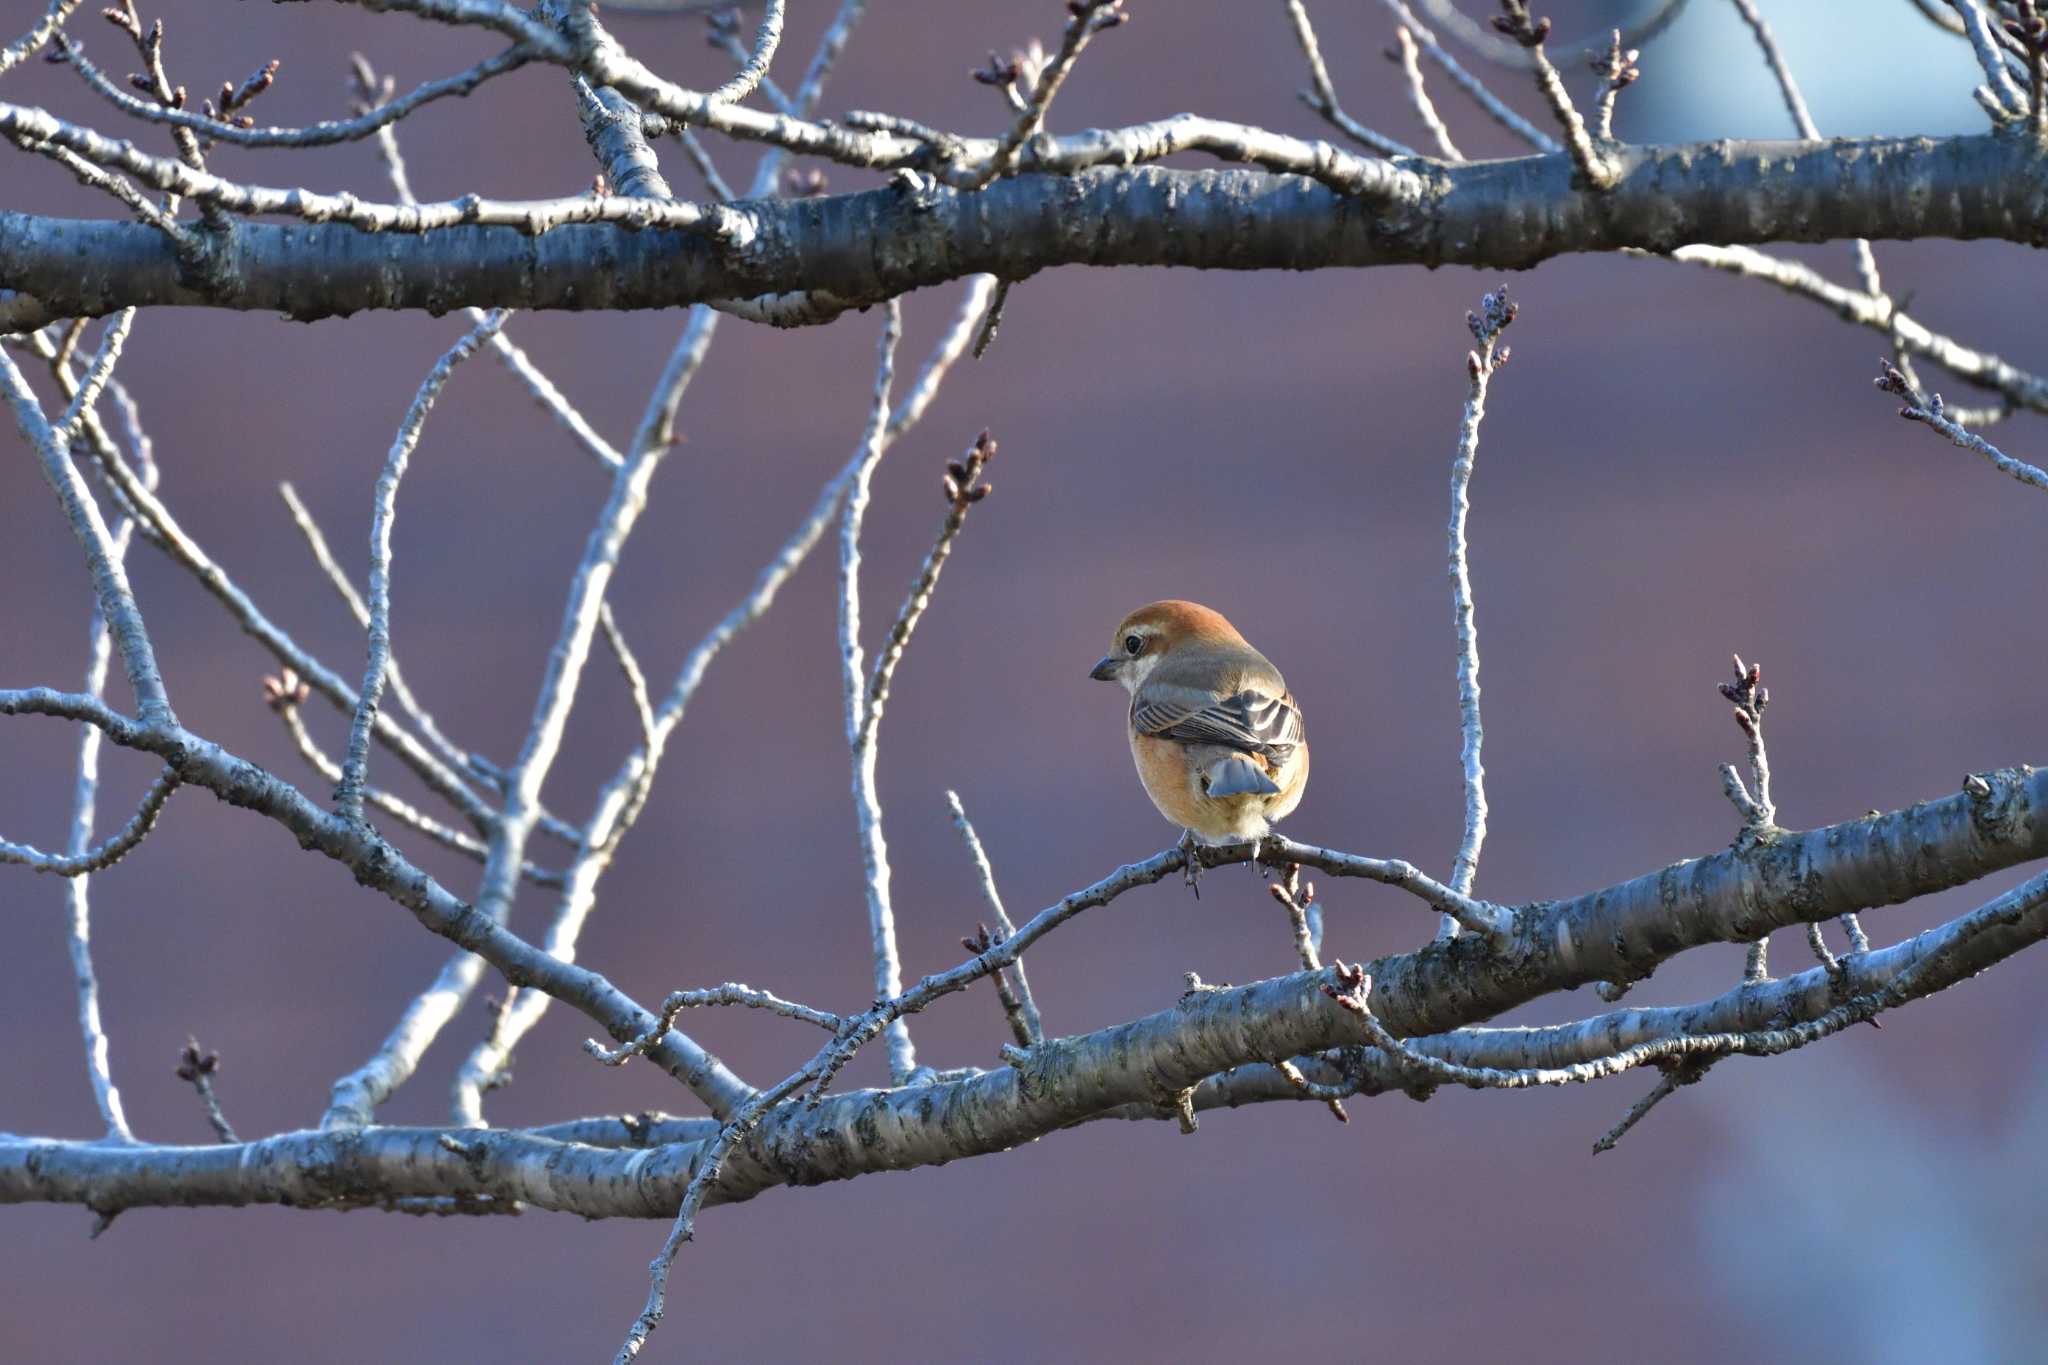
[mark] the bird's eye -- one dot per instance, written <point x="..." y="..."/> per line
<point x="1134" y="644"/>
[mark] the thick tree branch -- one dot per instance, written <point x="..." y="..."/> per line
<point x="1114" y="1072"/>
<point x="877" y="244"/>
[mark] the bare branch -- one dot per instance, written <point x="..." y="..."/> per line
<point x="1486" y="325"/>
<point x="196" y="1068"/>
<point x="963" y="488"/>
<point x="285" y="695"/>
<point x="1085" y="19"/>
<point x="883" y="243"/>
<point x="1299" y="898"/>
<point x="1682" y="1072"/>
<point x="1295" y="1017"/>
<point x="372" y="95"/>
<point x="211" y="191"/>
<point x="338" y="579"/>
<point x="92" y="177"/>
<point x="860" y="736"/>
<point x="766" y="39"/>
<point x="109" y="579"/>
<point x="730" y="993"/>
<point x="110" y="851"/>
<point x="367" y="122"/>
<point x="1321" y="95"/>
<point x="622" y="799"/>
<point x="1504" y="52"/>
<point x="1978" y="368"/>
<point x="611" y="125"/>
<point x="2006" y="95"/>
<point x="31" y="42"/>
<point x="78" y="902"/>
<point x="1491" y="104"/>
<point x="1750" y="697"/>
<point x="1418" y="94"/>
<point x="1802" y="121"/>
<point x="1617" y="70"/>
<point x="171" y="537"/>
<point x="348" y="795"/>
<point x="1530" y="33"/>
<point x="1019" y="1005"/>
<point x="1926" y="408"/>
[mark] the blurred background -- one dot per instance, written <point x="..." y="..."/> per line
<point x="1676" y="465"/>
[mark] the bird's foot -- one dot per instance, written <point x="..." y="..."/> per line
<point x="1191" y="867"/>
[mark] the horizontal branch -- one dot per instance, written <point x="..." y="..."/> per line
<point x="1227" y="1044"/>
<point x="876" y="244"/>
<point x="1998" y="820"/>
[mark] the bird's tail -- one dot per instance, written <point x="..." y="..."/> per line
<point x="1238" y="775"/>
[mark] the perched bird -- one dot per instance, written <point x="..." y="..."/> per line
<point x="1215" y="733"/>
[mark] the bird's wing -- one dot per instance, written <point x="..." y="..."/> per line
<point x="1252" y="721"/>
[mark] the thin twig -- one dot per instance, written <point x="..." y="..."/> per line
<point x="1674" y="1076"/>
<point x="1321" y="95"/>
<point x="1029" y="1026"/>
<point x="963" y="489"/>
<point x="1927" y="408"/>
<point x="755" y="70"/>
<point x="2005" y="93"/>
<point x="337" y="577"/>
<point x="860" y="735"/>
<point x="730" y="993"/>
<point x="372" y="94"/>
<point x="629" y="668"/>
<point x="77" y="897"/>
<point x="92" y="177"/>
<point x="624" y="796"/>
<point x="724" y="34"/>
<point x="683" y="1229"/>
<point x="1530" y="33"/>
<point x="1490" y="47"/>
<point x="1493" y="317"/>
<point x="1491" y="104"/>
<point x="368" y="122"/>
<point x="348" y="795"/>
<point x="1299" y="898"/>
<point x="82" y="513"/>
<point x="1085" y="19"/>
<point x="2028" y="28"/>
<point x="1802" y="120"/>
<point x="111" y="850"/>
<point x="97" y="374"/>
<point x="287" y="694"/>
<point x="356" y="1095"/>
<point x="1979" y="368"/>
<point x="1418" y="93"/>
<point x="31" y="42"/>
<point x="1749" y="697"/>
<point x="196" y="1068"/>
<point x="1617" y="70"/>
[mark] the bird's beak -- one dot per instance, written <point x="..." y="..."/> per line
<point x="1105" y="669"/>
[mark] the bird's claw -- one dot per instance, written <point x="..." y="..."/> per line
<point x="1191" y="864"/>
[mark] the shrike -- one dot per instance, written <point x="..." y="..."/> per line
<point x="1214" y="731"/>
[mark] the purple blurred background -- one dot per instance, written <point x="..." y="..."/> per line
<point x="1676" y="465"/>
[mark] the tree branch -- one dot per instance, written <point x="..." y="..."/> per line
<point x="1114" y="1072"/>
<point x="878" y="244"/>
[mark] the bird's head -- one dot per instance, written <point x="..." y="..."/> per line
<point x="1151" y="632"/>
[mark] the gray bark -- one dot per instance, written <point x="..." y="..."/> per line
<point x="1222" y="1043"/>
<point x="876" y="244"/>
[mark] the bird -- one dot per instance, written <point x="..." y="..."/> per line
<point x="1216" y="735"/>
